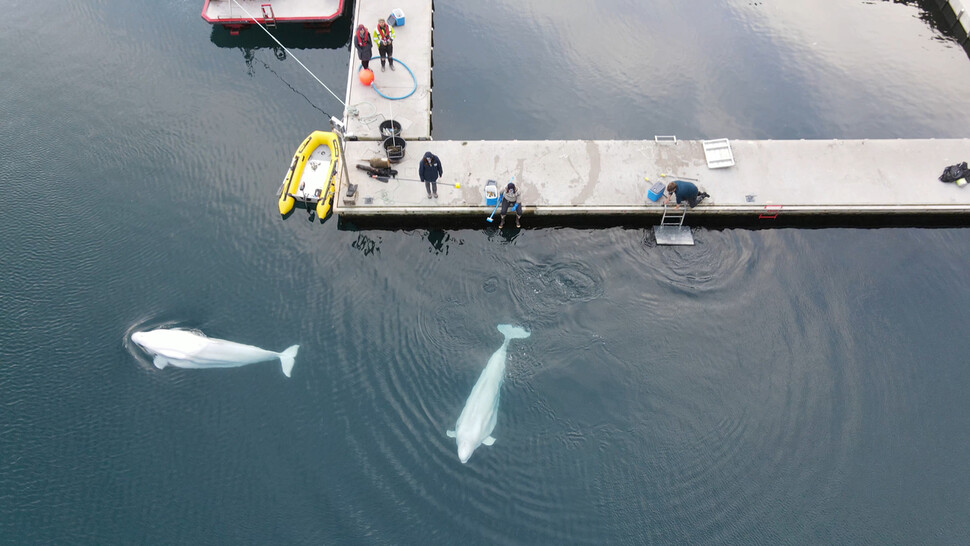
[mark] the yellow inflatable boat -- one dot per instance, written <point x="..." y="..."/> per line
<point x="313" y="174"/>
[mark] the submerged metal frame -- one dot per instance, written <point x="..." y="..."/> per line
<point x="672" y="230"/>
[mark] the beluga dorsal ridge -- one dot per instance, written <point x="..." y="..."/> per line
<point x="477" y="420"/>
<point x="188" y="349"/>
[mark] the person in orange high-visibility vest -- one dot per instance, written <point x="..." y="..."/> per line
<point x="384" y="38"/>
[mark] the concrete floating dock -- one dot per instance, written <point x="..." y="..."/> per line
<point x="411" y="78"/>
<point x="607" y="179"/>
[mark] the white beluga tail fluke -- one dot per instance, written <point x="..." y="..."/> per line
<point x="477" y="419"/>
<point x="187" y="349"/>
<point x="288" y="359"/>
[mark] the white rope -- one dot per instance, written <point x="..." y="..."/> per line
<point x="342" y="103"/>
<point x="354" y="110"/>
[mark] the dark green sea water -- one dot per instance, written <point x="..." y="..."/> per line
<point x="767" y="386"/>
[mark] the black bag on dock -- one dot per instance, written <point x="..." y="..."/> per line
<point x="377" y="171"/>
<point x="955" y="172"/>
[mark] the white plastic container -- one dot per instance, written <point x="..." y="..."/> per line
<point x="491" y="193"/>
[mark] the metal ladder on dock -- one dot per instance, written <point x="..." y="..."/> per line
<point x="672" y="230"/>
<point x="269" y="18"/>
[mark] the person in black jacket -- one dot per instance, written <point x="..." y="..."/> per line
<point x="364" y="45"/>
<point x="429" y="171"/>
<point x="510" y="199"/>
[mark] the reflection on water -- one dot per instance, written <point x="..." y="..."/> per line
<point x="367" y="245"/>
<point x="760" y="70"/>
<point x="441" y="241"/>
<point x="292" y="36"/>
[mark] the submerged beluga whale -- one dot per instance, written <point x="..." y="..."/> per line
<point x="187" y="349"/>
<point x="477" y="419"/>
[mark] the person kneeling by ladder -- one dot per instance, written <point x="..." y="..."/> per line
<point x="684" y="191"/>
<point x="510" y="198"/>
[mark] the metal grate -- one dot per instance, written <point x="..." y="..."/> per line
<point x="718" y="153"/>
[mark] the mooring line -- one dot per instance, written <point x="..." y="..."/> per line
<point x="342" y="103"/>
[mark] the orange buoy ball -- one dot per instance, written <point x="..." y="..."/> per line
<point x="366" y="76"/>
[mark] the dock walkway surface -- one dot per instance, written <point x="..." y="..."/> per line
<point x="412" y="74"/>
<point x="591" y="177"/>
<point x="607" y="178"/>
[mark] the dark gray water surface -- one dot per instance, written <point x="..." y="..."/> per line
<point x="773" y="386"/>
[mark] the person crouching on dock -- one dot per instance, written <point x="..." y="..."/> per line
<point x="684" y="191"/>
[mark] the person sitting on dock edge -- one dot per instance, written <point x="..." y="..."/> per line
<point x="684" y="191"/>
<point x="384" y="36"/>
<point x="429" y="171"/>
<point x="364" y="45"/>
<point x="510" y="199"/>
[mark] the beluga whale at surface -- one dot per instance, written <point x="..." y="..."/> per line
<point x="187" y="349"/>
<point x="477" y="419"/>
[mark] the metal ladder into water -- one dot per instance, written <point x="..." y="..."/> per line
<point x="672" y="230"/>
<point x="269" y="18"/>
